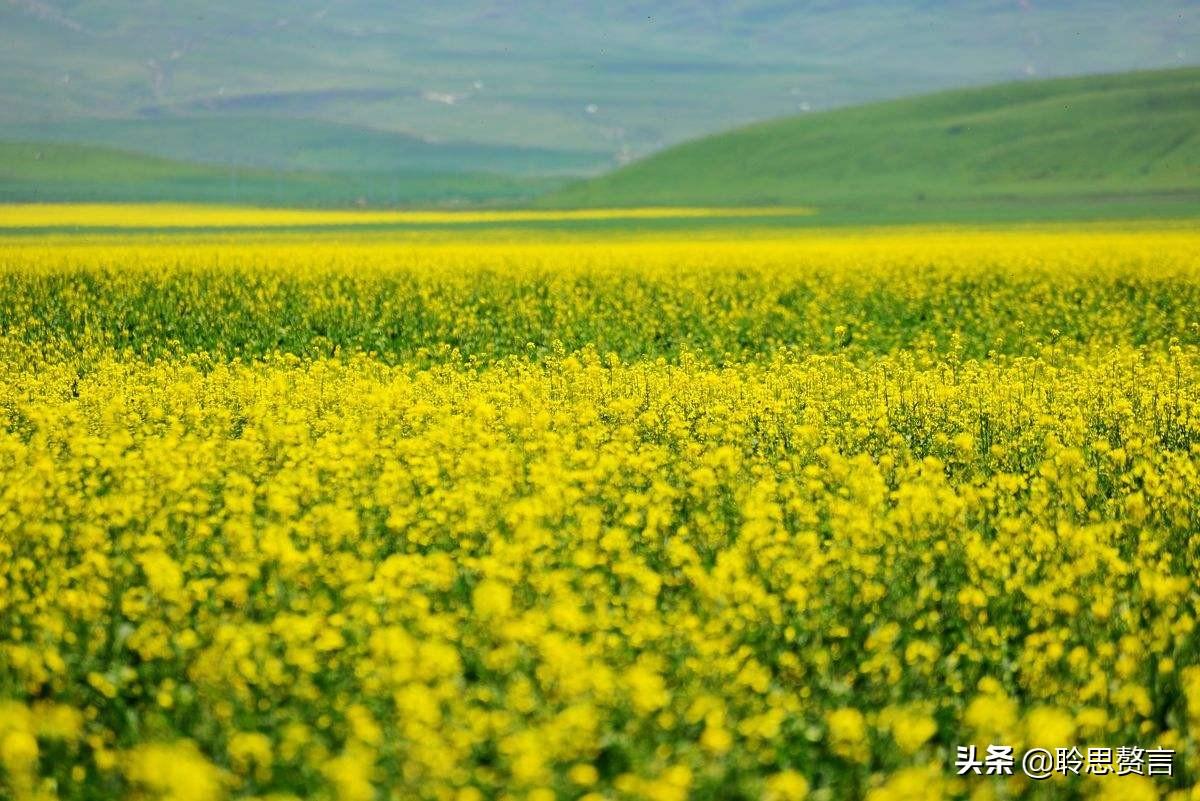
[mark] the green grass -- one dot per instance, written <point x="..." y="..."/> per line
<point x="303" y="145"/>
<point x="1107" y="146"/>
<point x="657" y="75"/>
<point x="49" y="173"/>
<point x="1104" y="147"/>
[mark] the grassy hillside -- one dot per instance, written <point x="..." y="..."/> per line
<point x="1105" y="146"/>
<point x="623" y="77"/>
<point x="48" y="172"/>
<point x="1126" y="144"/>
<point x="300" y="144"/>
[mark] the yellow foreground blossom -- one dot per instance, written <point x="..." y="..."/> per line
<point x="783" y="517"/>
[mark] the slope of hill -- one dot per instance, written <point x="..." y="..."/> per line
<point x="624" y="77"/>
<point x="49" y="172"/>
<point x="1129" y="140"/>
<point x="300" y="144"/>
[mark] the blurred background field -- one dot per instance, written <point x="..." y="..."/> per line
<point x="1093" y="148"/>
<point x="365" y="104"/>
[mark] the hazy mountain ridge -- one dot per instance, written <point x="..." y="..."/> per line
<point x="624" y="78"/>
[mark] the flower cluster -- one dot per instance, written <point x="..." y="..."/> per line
<point x="786" y="570"/>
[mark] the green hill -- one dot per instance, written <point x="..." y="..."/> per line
<point x="1116" y="145"/>
<point x="304" y="145"/>
<point x="49" y="172"/>
<point x="622" y="77"/>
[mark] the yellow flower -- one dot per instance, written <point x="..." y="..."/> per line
<point x="1125" y="788"/>
<point x="716" y="738"/>
<point x="911" y="784"/>
<point x="647" y="690"/>
<point x="787" y="785"/>
<point x="491" y="599"/>
<point x="352" y="774"/>
<point x="363" y="725"/>
<point x="583" y="775"/>
<point x="992" y="716"/>
<point x="1048" y="727"/>
<point x="910" y="728"/>
<point x="58" y="721"/>
<point x="251" y="751"/>
<point x="1189" y="680"/>
<point x="848" y="733"/>
<point x="18" y="752"/>
<point x="173" y="772"/>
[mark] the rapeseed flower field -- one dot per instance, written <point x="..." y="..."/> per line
<point x="782" y="516"/>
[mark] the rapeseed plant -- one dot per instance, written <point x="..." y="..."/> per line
<point x="780" y="519"/>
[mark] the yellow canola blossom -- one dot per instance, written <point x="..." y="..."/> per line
<point x="602" y="521"/>
<point x="171" y="215"/>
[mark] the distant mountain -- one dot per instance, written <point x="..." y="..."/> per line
<point x="610" y="81"/>
<point x="1126" y="145"/>
<point x="301" y="144"/>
